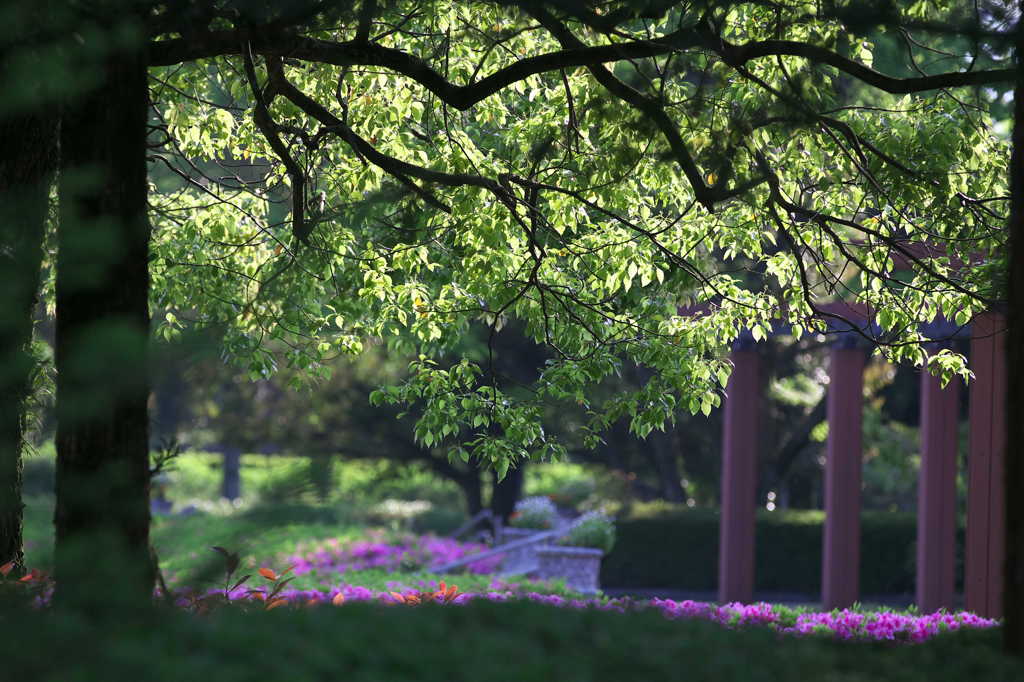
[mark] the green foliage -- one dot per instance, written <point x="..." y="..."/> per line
<point x="679" y="549"/>
<point x="595" y="531"/>
<point x="642" y="211"/>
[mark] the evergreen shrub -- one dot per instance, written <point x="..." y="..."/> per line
<point x="678" y="549"/>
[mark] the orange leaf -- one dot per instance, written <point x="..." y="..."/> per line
<point x="398" y="597"/>
<point x="268" y="573"/>
<point x="6" y="568"/>
<point x="339" y="599"/>
<point x="258" y="595"/>
<point x="31" y="576"/>
<point x="277" y="602"/>
<point x="441" y="588"/>
<point x="453" y="592"/>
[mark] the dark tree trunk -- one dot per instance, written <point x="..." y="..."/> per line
<point x="102" y="514"/>
<point x="471" y="490"/>
<point x="28" y="157"/>
<point x="664" y="453"/>
<point x="1013" y="604"/>
<point x="231" y="479"/>
<point x="507" y="492"/>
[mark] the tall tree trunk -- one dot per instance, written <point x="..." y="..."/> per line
<point x="507" y="492"/>
<point x="1013" y="604"/>
<point x="470" y="484"/>
<point x="102" y="514"/>
<point x="663" y="449"/>
<point x="28" y="159"/>
<point x="28" y="155"/>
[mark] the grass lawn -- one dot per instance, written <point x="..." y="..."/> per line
<point x="263" y="535"/>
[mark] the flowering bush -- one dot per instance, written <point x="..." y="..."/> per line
<point x="593" y="530"/>
<point x="534" y="512"/>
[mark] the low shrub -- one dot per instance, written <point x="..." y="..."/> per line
<point x="678" y="549"/>
<point x="594" y="530"/>
<point x="535" y="513"/>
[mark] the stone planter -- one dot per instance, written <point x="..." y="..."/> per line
<point x="579" y="566"/>
<point x="521" y="560"/>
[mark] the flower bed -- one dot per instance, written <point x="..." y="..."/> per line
<point x="846" y="624"/>
<point x="406" y="553"/>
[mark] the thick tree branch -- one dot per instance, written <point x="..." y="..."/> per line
<point x="261" y="116"/>
<point x="358" y="53"/>
<point x="737" y="55"/>
<point x="396" y="167"/>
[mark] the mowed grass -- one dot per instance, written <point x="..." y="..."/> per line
<point x="261" y="535"/>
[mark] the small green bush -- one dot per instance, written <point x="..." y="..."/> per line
<point x="534" y="512"/>
<point x="596" y="531"/>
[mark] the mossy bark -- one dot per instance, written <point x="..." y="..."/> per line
<point x="102" y="514"/>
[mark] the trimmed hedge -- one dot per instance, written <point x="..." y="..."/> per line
<point x="679" y="550"/>
<point x="478" y="642"/>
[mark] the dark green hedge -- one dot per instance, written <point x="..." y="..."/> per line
<point x="679" y="550"/>
<point x="480" y="642"/>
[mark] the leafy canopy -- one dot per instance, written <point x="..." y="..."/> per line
<point x="629" y="183"/>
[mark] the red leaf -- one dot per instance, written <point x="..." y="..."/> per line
<point x="399" y="598"/>
<point x="277" y="602"/>
<point x="6" y="568"/>
<point x="268" y="573"/>
<point x="339" y="599"/>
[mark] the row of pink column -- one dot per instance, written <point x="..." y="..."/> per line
<point x="937" y="485"/>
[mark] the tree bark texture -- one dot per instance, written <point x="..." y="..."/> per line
<point x="28" y="155"/>
<point x="1013" y="604"/>
<point x="102" y="514"/>
<point x="507" y="492"/>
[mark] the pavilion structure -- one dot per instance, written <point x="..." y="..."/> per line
<point x="936" y="509"/>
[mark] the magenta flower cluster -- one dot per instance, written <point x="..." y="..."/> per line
<point x="845" y="624"/>
<point x="336" y="556"/>
<point x="841" y="624"/>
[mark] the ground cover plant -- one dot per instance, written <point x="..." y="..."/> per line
<point x="479" y="640"/>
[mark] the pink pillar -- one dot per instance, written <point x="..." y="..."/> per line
<point x="739" y="479"/>
<point x="841" y="548"/>
<point x="983" y="561"/>
<point x="936" y="496"/>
